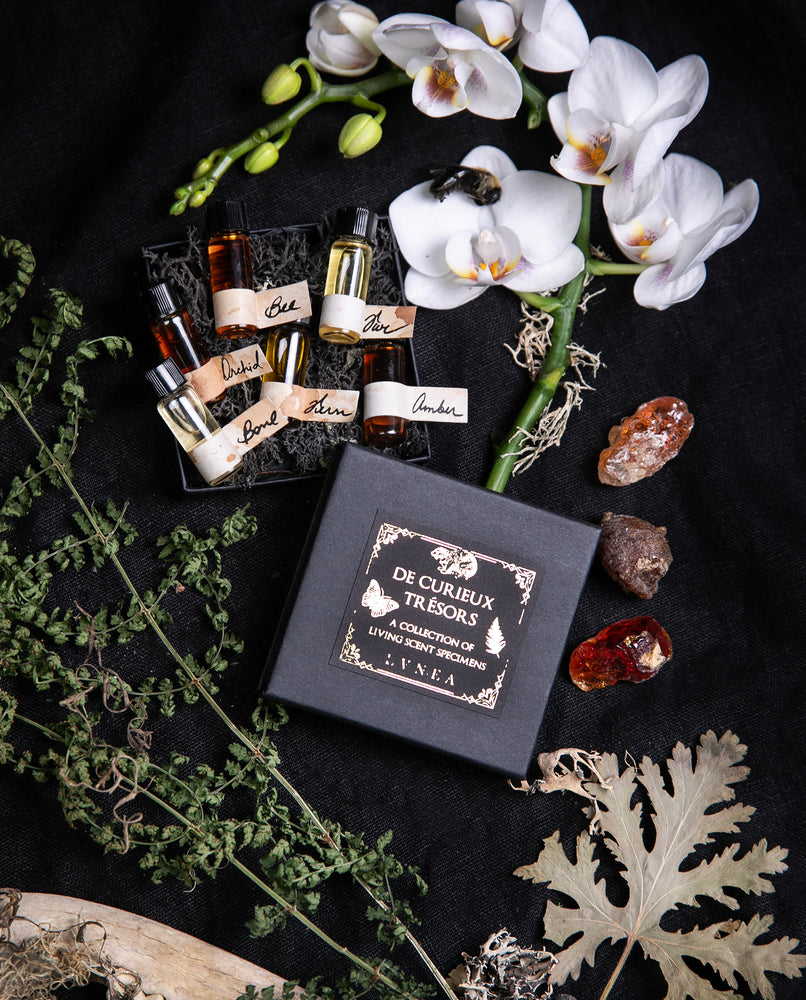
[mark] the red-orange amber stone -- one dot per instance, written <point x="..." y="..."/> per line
<point x="643" y="443"/>
<point x="631" y="650"/>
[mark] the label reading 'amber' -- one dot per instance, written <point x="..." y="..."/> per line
<point x="415" y="402"/>
<point x="323" y="405"/>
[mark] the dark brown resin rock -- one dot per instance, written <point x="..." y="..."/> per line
<point x="643" y="443"/>
<point x="634" y="553"/>
<point x="631" y="650"/>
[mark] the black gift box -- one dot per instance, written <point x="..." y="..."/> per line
<point x="429" y="610"/>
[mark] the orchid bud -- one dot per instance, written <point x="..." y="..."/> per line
<point x="280" y="85"/>
<point x="262" y="157"/>
<point x="359" y="135"/>
<point x="204" y="166"/>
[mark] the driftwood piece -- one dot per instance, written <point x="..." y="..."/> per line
<point x="169" y="962"/>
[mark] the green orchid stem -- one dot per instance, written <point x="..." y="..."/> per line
<point x="534" y="98"/>
<point x="225" y="719"/>
<point x="554" y="366"/>
<point x="360" y="94"/>
<point x="598" y="267"/>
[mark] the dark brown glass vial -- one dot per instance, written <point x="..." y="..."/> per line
<point x="229" y="251"/>
<point x="385" y="361"/>
<point x="174" y="331"/>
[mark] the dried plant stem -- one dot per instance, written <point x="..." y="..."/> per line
<point x="617" y="971"/>
<point x="563" y="310"/>
<point x="242" y="737"/>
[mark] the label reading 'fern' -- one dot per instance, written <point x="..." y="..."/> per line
<point x="435" y="616"/>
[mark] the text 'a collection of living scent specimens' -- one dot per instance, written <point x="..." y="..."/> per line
<point x="189" y="378"/>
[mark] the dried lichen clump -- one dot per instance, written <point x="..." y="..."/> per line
<point x="634" y="553"/>
<point x="503" y="970"/>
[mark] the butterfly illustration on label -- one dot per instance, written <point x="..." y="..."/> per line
<point x="377" y="602"/>
<point x="455" y="562"/>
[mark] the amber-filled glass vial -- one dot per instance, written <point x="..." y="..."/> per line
<point x="229" y="251"/>
<point x="209" y="448"/>
<point x="384" y="361"/>
<point x="174" y="331"/>
<point x="347" y="281"/>
<point x="287" y="353"/>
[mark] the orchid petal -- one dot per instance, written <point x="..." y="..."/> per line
<point x="559" y="113"/>
<point x="617" y="81"/>
<point x="437" y="92"/>
<point x="554" y="39"/>
<point x="438" y="293"/>
<point x="543" y="209"/>
<point x="361" y="22"/>
<point x="487" y="257"/>
<point x="693" y="191"/>
<point x="492" y="20"/>
<point x="530" y="276"/>
<point x="682" y="88"/>
<point x="422" y="226"/>
<point x="403" y="36"/>
<point x="340" y="54"/>
<point x="494" y="87"/>
<point x="624" y="199"/>
<point x="490" y="158"/>
<point x="650" y="239"/>
<point x="654" y="289"/>
<point x="739" y="208"/>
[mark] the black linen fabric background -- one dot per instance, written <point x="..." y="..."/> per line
<point x="105" y="110"/>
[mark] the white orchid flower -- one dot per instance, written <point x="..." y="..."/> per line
<point x="340" y="38"/>
<point x="690" y="220"/>
<point x="618" y="118"/>
<point x="458" y="249"/>
<point x="451" y="67"/>
<point x="550" y="34"/>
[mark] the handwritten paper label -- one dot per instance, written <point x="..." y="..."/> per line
<point x="282" y="305"/>
<point x="255" y="424"/>
<point x="225" y="370"/>
<point x="436" y="615"/>
<point x="388" y="322"/>
<point x="413" y="402"/>
<point x="234" y="307"/>
<point x="323" y="405"/>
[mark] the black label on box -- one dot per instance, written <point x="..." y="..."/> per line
<point x="433" y="615"/>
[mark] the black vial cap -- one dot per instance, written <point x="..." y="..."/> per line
<point x="162" y="300"/>
<point x="226" y="216"/>
<point x="356" y="221"/>
<point x="166" y="378"/>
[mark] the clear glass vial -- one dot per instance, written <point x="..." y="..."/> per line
<point x="287" y="353"/>
<point x="347" y="281"/>
<point x="229" y="250"/>
<point x="384" y="361"/>
<point x="210" y="448"/>
<point x="175" y="333"/>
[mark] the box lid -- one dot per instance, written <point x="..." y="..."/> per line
<point x="430" y="610"/>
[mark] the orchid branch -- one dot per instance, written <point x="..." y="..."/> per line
<point x="555" y="365"/>
<point x="212" y="168"/>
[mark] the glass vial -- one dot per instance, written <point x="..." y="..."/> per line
<point x="174" y="331"/>
<point x="229" y="251"/>
<point x="287" y="353"/>
<point x="384" y="361"/>
<point x="194" y="427"/>
<point x="347" y="281"/>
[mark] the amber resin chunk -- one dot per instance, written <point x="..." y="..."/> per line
<point x="643" y="443"/>
<point x="634" y="553"/>
<point x="631" y="650"/>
